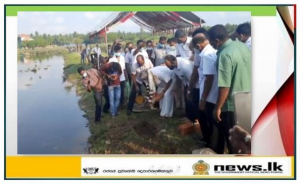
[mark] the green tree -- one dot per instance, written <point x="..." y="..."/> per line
<point x="77" y="42"/>
<point x="31" y="44"/>
<point x="74" y="34"/>
<point x="206" y="27"/>
<point x="36" y="34"/>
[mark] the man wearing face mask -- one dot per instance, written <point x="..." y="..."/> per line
<point x="160" y="51"/>
<point x="208" y="88"/>
<point x="161" y="83"/>
<point x="141" y="65"/>
<point x="182" y="47"/>
<point x="171" y="48"/>
<point x="139" y="50"/>
<point x="196" y="73"/>
<point x="149" y="50"/>
<point x="92" y="81"/>
<point x="178" y="90"/>
<point x="128" y="59"/>
<point x="244" y="34"/>
<point x="183" y="69"/>
<point x="234" y="75"/>
<point x="112" y="71"/>
<point x="117" y="57"/>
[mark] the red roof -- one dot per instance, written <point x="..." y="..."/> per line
<point x="25" y="37"/>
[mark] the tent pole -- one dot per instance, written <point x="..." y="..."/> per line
<point x="153" y="35"/>
<point x="200" y="23"/>
<point x="98" y="57"/>
<point x="106" y="41"/>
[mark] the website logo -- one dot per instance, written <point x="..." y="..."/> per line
<point x="271" y="167"/>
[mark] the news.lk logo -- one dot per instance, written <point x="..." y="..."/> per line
<point x="272" y="167"/>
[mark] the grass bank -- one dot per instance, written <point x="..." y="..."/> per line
<point x="40" y="53"/>
<point x="141" y="133"/>
<point x="42" y="50"/>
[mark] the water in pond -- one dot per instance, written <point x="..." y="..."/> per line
<point x="49" y="118"/>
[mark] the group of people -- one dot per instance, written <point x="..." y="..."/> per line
<point x="201" y="71"/>
<point x="88" y="54"/>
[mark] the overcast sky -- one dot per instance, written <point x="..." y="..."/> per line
<point x="83" y="22"/>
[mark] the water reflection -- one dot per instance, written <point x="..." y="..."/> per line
<point x="49" y="119"/>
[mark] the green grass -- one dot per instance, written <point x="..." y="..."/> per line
<point x="119" y="135"/>
<point x="42" y="50"/>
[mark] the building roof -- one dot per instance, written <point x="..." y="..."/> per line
<point x="25" y="37"/>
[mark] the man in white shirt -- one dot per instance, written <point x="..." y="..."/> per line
<point x="160" y="51"/>
<point x="178" y="91"/>
<point x="162" y="82"/>
<point x="117" y="57"/>
<point x="244" y="34"/>
<point x="97" y="50"/>
<point x="195" y="75"/>
<point x="137" y="68"/>
<point x="208" y="78"/>
<point x="171" y="47"/>
<point x="183" y="69"/>
<point x="139" y="50"/>
<point x="182" y="47"/>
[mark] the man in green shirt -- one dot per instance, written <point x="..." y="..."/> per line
<point x="234" y="75"/>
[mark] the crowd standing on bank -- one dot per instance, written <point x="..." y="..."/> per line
<point x="200" y="73"/>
